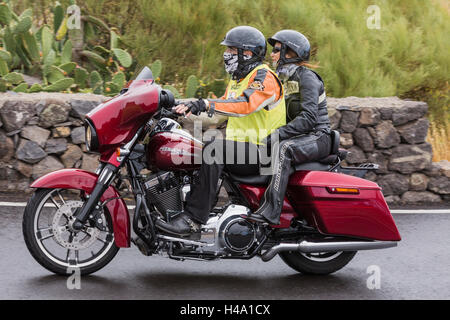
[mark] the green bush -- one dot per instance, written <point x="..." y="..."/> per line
<point x="408" y="52"/>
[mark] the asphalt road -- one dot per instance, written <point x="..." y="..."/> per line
<point x="419" y="268"/>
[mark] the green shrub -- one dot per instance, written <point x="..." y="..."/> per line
<point x="408" y="52"/>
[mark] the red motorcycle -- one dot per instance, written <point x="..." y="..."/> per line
<point x="78" y="219"/>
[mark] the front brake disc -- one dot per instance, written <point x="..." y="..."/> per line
<point x="62" y="232"/>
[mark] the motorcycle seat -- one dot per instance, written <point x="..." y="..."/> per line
<point x="323" y="164"/>
<point x="251" y="180"/>
<point x="265" y="179"/>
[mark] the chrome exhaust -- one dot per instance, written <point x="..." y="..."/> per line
<point x="316" y="247"/>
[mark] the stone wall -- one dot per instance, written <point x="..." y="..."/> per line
<point x="43" y="132"/>
<point x="392" y="133"/>
<point x="40" y="133"/>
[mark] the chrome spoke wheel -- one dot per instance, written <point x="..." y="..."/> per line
<point x="322" y="256"/>
<point x="49" y="220"/>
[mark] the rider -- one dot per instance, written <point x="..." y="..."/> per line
<point x="306" y="136"/>
<point x="254" y="103"/>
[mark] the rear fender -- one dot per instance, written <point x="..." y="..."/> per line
<point x="84" y="180"/>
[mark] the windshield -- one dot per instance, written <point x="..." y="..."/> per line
<point x="143" y="73"/>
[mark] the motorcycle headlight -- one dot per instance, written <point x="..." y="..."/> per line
<point x="91" y="136"/>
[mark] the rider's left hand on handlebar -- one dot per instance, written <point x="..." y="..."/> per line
<point x="197" y="106"/>
<point x="181" y="109"/>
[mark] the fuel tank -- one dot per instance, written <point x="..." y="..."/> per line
<point x="174" y="150"/>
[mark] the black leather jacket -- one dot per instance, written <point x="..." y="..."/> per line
<point x="306" y="104"/>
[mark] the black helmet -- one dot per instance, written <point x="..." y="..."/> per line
<point x="293" y="40"/>
<point x="246" y="38"/>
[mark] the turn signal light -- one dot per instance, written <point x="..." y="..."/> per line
<point x="343" y="190"/>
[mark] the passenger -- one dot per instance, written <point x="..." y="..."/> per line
<point x="306" y="136"/>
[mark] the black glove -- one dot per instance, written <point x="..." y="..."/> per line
<point x="196" y="107"/>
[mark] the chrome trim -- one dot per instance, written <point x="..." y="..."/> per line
<point x="316" y="247"/>
<point x="192" y="242"/>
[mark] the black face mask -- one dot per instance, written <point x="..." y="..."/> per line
<point x="283" y="60"/>
<point x="231" y="62"/>
<point x="245" y="64"/>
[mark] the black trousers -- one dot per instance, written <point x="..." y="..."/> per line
<point x="301" y="149"/>
<point x="240" y="158"/>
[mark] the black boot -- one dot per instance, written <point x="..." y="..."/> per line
<point x="256" y="217"/>
<point x="183" y="225"/>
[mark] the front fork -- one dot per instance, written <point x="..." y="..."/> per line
<point x="107" y="175"/>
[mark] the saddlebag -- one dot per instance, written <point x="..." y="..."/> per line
<point x="340" y="204"/>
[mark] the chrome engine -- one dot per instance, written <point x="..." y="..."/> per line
<point x="229" y="232"/>
<point x="225" y="233"/>
<point x="166" y="191"/>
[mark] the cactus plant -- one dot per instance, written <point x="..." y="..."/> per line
<point x="46" y="41"/>
<point x="156" y="68"/>
<point x="54" y="52"/>
<point x="175" y="92"/>
<point x="81" y="75"/>
<point x="96" y="82"/>
<point x="60" y="85"/>
<point x="35" y="88"/>
<point x="62" y="30"/>
<point x="5" y="14"/>
<point x="31" y="45"/>
<point x="13" y="78"/>
<point x="58" y="16"/>
<point x="4" y="70"/>
<point x="123" y="57"/>
<point x="192" y="85"/>
<point x="55" y="74"/>
<point x="23" y="87"/>
<point x="66" y="54"/>
<point x="119" y="79"/>
<point x="5" y="56"/>
<point x="68" y="67"/>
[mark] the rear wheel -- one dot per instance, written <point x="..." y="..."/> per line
<point x="317" y="263"/>
<point x="55" y="245"/>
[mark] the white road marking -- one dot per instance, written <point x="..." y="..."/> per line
<point x="397" y="211"/>
<point x="419" y="211"/>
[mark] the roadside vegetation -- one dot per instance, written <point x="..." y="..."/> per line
<point x="406" y="57"/>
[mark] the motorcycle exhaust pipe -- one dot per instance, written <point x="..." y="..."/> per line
<point x="316" y="247"/>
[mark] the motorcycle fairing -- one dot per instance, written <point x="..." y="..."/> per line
<point x="117" y="120"/>
<point x="84" y="180"/>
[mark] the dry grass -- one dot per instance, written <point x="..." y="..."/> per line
<point x="439" y="137"/>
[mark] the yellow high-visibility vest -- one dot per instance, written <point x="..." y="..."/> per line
<point x="255" y="126"/>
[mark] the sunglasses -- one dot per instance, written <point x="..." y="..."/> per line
<point x="276" y="49"/>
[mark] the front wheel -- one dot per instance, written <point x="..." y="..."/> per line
<point x="317" y="263"/>
<point x="55" y="245"/>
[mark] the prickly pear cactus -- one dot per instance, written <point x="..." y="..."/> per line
<point x="156" y="68"/>
<point x="60" y="85"/>
<point x="175" y="92"/>
<point x="192" y="85"/>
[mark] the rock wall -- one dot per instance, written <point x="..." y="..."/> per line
<point x="43" y="132"/>
<point x="392" y="133"/>
<point x="40" y="133"/>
